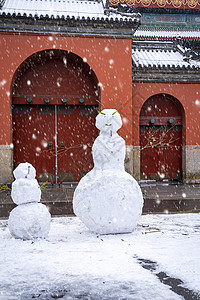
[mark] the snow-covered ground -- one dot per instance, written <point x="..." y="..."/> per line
<point x="73" y="263"/>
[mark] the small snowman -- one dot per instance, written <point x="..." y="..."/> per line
<point x="30" y="219"/>
<point x="108" y="199"/>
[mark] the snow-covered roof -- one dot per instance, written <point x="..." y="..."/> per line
<point x="167" y="33"/>
<point x="59" y="8"/>
<point x="77" y="17"/>
<point x="162" y="58"/>
<point x="56" y="8"/>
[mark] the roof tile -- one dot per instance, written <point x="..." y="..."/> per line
<point x="166" y="58"/>
<point x="72" y="8"/>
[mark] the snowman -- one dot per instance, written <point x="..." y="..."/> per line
<point x="30" y="219"/>
<point x="108" y="200"/>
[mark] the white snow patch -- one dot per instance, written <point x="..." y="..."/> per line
<point x="76" y="262"/>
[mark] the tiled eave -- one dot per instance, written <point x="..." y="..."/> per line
<point x="164" y="38"/>
<point x="166" y="34"/>
<point x="172" y="63"/>
<point x="166" y="73"/>
<point x="112" y="27"/>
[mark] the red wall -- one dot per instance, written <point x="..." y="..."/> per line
<point x="189" y="96"/>
<point x="110" y="59"/>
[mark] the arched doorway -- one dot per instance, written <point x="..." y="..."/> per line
<point x="161" y="121"/>
<point x="54" y="108"/>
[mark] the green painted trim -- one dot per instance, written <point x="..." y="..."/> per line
<point x="169" y="26"/>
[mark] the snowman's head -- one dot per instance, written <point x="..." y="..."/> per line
<point x="24" y="170"/>
<point x="108" y="120"/>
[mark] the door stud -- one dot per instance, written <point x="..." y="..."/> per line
<point x="46" y="100"/>
<point x="29" y="100"/>
<point x="64" y="100"/>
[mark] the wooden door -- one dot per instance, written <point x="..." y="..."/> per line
<point x="161" y="139"/>
<point x="161" y="152"/>
<point x="54" y="101"/>
<point x="76" y="135"/>
<point x="33" y="128"/>
<point x="55" y="140"/>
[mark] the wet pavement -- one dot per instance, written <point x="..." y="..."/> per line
<point x="175" y="284"/>
<point x="159" y="197"/>
<point x="170" y="197"/>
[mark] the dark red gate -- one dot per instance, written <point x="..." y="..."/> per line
<point x="54" y="110"/>
<point x="34" y="140"/>
<point x="161" y="139"/>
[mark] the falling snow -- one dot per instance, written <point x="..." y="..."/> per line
<point x="2" y="83"/>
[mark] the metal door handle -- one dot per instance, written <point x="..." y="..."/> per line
<point x="50" y="144"/>
<point x="61" y="144"/>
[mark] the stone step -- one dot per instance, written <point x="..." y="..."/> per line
<point x="157" y="200"/>
<point x="171" y="206"/>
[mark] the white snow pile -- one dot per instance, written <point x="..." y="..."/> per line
<point x="30" y="219"/>
<point x="108" y="199"/>
<point x="74" y="263"/>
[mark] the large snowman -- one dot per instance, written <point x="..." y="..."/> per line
<point x="30" y="219"/>
<point x="108" y="199"/>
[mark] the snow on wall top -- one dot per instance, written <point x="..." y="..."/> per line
<point x="71" y="8"/>
<point x="167" y="33"/>
<point x="161" y="58"/>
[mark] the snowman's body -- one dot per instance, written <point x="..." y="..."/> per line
<point x="109" y="152"/>
<point x="108" y="199"/>
<point x="30" y="219"/>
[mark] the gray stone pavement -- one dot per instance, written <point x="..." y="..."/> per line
<point x="160" y="197"/>
<point x="169" y="197"/>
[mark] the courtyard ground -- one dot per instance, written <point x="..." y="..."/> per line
<point x="160" y="260"/>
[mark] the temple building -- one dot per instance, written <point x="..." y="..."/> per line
<point x="166" y="99"/>
<point x="62" y="61"/>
